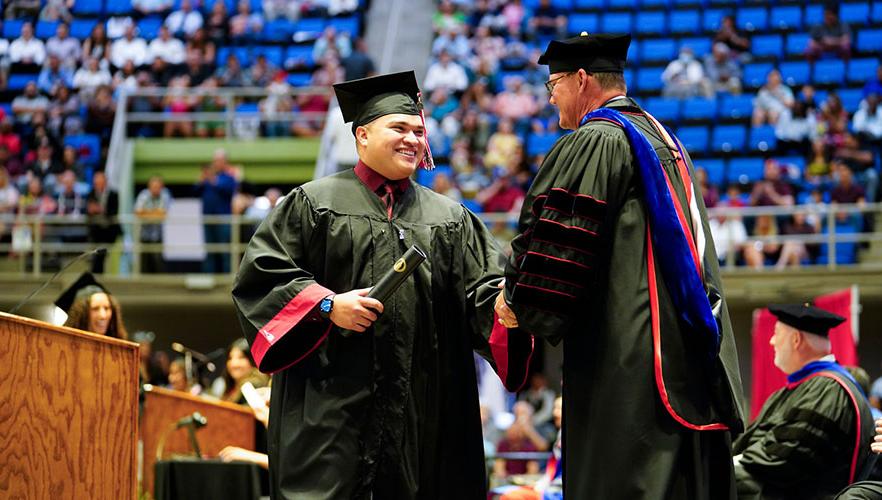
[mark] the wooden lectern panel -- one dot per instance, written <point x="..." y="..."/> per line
<point x="68" y="412"/>
<point x="228" y="425"/>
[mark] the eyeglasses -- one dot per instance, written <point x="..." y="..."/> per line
<point x="549" y="85"/>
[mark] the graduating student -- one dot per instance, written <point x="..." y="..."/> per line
<point x="812" y="437"/>
<point x="389" y="410"/>
<point x="615" y="259"/>
<point x="90" y="307"/>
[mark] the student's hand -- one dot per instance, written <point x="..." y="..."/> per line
<point x="236" y="454"/>
<point x="353" y="311"/>
<point x="506" y="316"/>
<point x="876" y="445"/>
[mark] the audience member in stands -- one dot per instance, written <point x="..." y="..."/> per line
<point x="102" y="207"/>
<point x="27" y="53"/>
<point x="45" y="164"/>
<point x="63" y="46"/>
<point x="54" y="75"/>
<point x="70" y="160"/>
<point x="874" y="85"/>
<point x="216" y="188"/>
<point x="331" y="43"/>
<point x="11" y="164"/>
<point x="521" y="436"/>
<point x="818" y="167"/>
<point x="709" y="192"/>
<point x="211" y="102"/>
<point x="541" y="399"/>
<point x="861" y="161"/>
<point x="728" y="34"/>
<point x="35" y="200"/>
<point x="117" y="26"/>
<point x="154" y="367"/>
<point x="8" y="136"/>
<point x="547" y="21"/>
<point x="217" y="26"/>
<point x="64" y="113"/>
<point x="442" y="183"/>
<point x="8" y="204"/>
<point x="178" y="380"/>
<point x="202" y="47"/>
<point x="89" y="77"/>
<point x="758" y="252"/>
<point x="455" y="43"/>
<point x="17" y="9"/>
<point x="846" y="191"/>
<point x="245" y="26"/>
<point x="328" y="74"/>
<point x="516" y="102"/>
<point x="684" y="77"/>
<point x="340" y="7"/>
<point x="97" y="46"/>
<point x="276" y="102"/>
<point x="185" y="21"/>
<point x="772" y="190"/>
<point x="165" y="47"/>
<point x="831" y="36"/>
<point x="446" y="73"/>
<point x="722" y="70"/>
<point x="231" y="74"/>
<point x="448" y="17"/>
<point x="773" y="98"/>
<point x="95" y="310"/>
<point x="358" y="64"/>
<point x="99" y="114"/>
<point x="867" y="120"/>
<point x="125" y="78"/>
<point x="261" y="71"/>
<point x="796" y="129"/>
<point x="239" y="369"/>
<point x="151" y="206"/>
<point x="277" y="9"/>
<point x="502" y="145"/>
<point x="178" y="101"/>
<point x="144" y="8"/>
<point x="793" y="253"/>
<point x="129" y="48"/>
<point x="514" y="13"/>
<point x="728" y="231"/>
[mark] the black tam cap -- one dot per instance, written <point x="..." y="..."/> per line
<point x="363" y="101"/>
<point x="593" y="53"/>
<point x="806" y="318"/>
<point x="85" y="285"/>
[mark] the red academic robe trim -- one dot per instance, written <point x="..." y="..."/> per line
<point x="656" y="348"/>
<point x="857" y="416"/>
<point x="284" y="323"/>
<point x="501" y="350"/>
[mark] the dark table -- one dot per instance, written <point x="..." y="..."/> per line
<point x="206" y="479"/>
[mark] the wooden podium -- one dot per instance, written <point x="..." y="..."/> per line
<point x="68" y="412"/>
<point x="228" y="425"/>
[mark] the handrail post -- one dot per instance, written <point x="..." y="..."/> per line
<point x="38" y="240"/>
<point x="235" y="238"/>
<point x="831" y="237"/>
<point x="136" y="246"/>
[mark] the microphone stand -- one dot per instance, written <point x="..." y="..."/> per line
<point x="46" y="283"/>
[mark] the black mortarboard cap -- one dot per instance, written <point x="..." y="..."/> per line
<point x="806" y="317"/>
<point x="594" y="53"/>
<point x="84" y="285"/>
<point x="363" y="101"/>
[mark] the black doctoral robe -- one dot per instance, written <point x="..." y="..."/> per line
<point x="810" y="440"/>
<point x="646" y="416"/>
<point x="391" y="412"/>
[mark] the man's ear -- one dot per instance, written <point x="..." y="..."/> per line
<point x="361" y="134"/>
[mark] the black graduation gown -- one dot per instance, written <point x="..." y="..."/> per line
<point x="645" y="415"/>
<point x="391" y="412"/>
<point x="810" y="440"/>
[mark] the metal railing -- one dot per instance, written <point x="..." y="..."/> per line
<point x="61" y="237"/>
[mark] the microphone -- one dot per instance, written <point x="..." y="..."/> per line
<point x="101" y="251"/>
<point x="206" y="360"/>
<point x="195" y="420"/>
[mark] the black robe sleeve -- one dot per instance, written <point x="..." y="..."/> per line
<point x="275" y="296"/>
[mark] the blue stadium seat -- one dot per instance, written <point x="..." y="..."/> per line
<point x="699" y="108"/>
<point x="785" y="17"/>
<point x="814" y="14"/>
<point x="118" y="7"/>
<point x="728" y="138"/>
<point x="745" y="170"/>
<point x="622" y="4"/>
<point x="700" y="46"/>
<point x="711" y="19"/>
<point x="539" y="144"/>
<point x="472" y="205"/>
<point x="763" y="138"/>
<point x="694" y="139"/>
<point x="797" y="43"/>
<point x="752" y="18"/>
<point x="17" y="81"/>
<point x="629" y="77"/>
<point x="45" y="29"/>
<point x="148" y="27"/>
<point x="309" y="27"/>
<point x="88" y="147"/>
<point x="649" y="79"/>
<point x="715" y="168"/>
<point x="665" y="4"/>
<point x="12" y="28"/>
<point x="820" y="95"/>
<point x="754" y="74"/>
<point x="795" y="72"/>
<point x="82" y="28"/>
<point x="685" y="21"/>
<point x="854" y="13"/>
<point x="846" y="252"/>
<point x="652" y="22"/>
<point x="851" y="99"/>
<point x="278" y="30"/>
<point x="829" y="71"/>
<point x="297" y="55"/>
<point x="346" y="25"/>
<point x="588" y="5"/>
<point x="867" y="41"/>
<point x="248" y="107"/>
<point x="616" y="22"/>
<point x="686" y="3"/>
<point x="299" y="79"/>
<point x="767" y="46"/>
<point x="660" y="49"/>
<point x="241" y="53"/>
<point x="795" y="165"/>
<point x="665" y="109"/>
<point x="877" y="12"/>
<point x="736" y="106"/>
<point x="579" y="22"/>
<point x="273" y="54"/>
<point x="862" y="70"/>
<point x="88" y="7"/>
